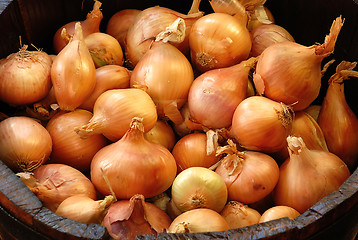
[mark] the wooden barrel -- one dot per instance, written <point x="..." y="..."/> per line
<point x="22" y="215"/>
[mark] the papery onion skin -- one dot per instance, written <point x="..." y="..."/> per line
<point x="73" y="73"/>
<point x="56" y="182"/>
<point x="133" y="165"/>
<point x="90" y="25"/>
<point x="307" y="176"/>
<point x="199" y="187"/>
<point x="104" y="49"/>
<point x="267" y="35"/>
<point x="198" y="220"/>
<point x="113" y="112"/>
<point x="68" y="147"/>
<point x="277" y="212"/>
<point x="238" y="215"/>
<point x="25" y="77"/>
<point x="215" y="94"/>
<point x="119" y="23"/>
<point x="256" y="20"/>
<point x="191" y="151"/>
<point x="107" y="77"/>
<point x="289" y="72"/>
<point x="218" y="40"/>
<point x="24" y="143"/>
<point x="261" y="124"/>
<point x="162" y="133"/>
<point x="169" y="89"/>
<point x="126" y="219"/>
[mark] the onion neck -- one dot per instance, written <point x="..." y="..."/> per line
<point x="299" y="153"/>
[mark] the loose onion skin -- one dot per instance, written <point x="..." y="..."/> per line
<point x="261" y="124"/>
<point x="191" y="151"/>
<point x="73" y="73"/>
<point x="198" y="220"/>
<point x="218" y="40"/>
<point x="215" y="94"/>
<point x="307" y="176"/>
<point x="199" y="187"/>
<point x="90" y="25"/>
<point x="289" y="72"/>
<point x="238" y="215"/>
<point x="24" y="143"/>
<point x="107" y="77"/>
<point x="25" y="77"/>
<point x="68" y="147"/>
<point x="249" y="176"/>
<point x="277" y="212"/>
<point x="113" y="112"/>
<point x="261" y="15"/>
<point x="133" y="165"/>
<point x="126" y="219"/>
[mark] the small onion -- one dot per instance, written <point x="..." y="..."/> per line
<point x="25" y="77"/>
<point x="24" y="143"/>
<point x="218" y="40"/>
<point x="238" y="215"/>
<point x="162" y="133"/>
<point x="68" y="148"/>
<point x="277" y="212"/>
<point x="198" y="220"/>
<point x="133" y="165"/>
<point x="199" y="187"/>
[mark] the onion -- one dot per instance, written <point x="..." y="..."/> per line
<point x="337" y="120"/>
<point x="218" y="40"/>
<point x="215" y="94"/>
<point x="119" y="23"/>
<point x="238" y="215"/>
<point x="198" y="220"/>
<point x="128" y="218"/>
<point x="107" y="77"/>
<point x="73" y="73"/>
<point x="277" y="212"/>
<point x="53" y="183"/>
<point x="161" y="201"/>
<point x="266" y="35"/>
<point x="152" y="21"/>
<point x="104" y="49"/>
<point x="46" y="107"/>
<point x="191" y="151"/>
<point x="24" y="143"/>
<point x="249" y="176"/>
<point x="133" y="165"/>
<point x="261" y="15"/>
<point x="307" y="176"/>
<point x="199" y="187"/>
<point x="261" y="124"/>
<point x="84" y="209"/>
<point x="181" y="129"/>
<point x="90" y="25"/>
<point x="68" y="148"/>
<point x="291" y="73"/>
<point x="169" y="89"/>
<point x="161" y="133"/>
<point x="25" y="77"/>
<point x="113" y="112"/>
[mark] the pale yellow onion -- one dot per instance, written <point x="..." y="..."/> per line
<point x="199" y="187"/>
<point x="24" y="143"/>
<point x="107" y="77"/>
<point x="113" y="112"/>
<point x="161" y="133"/>
<point x="167" y="87"/>
<point x="73" y="73"/>
<point x="238" y="215"/>
<point x="218" y="40"/>
<point x="277" y="212"/>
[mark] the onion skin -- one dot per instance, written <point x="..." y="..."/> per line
<point x="215" y="94"/>
<point x="73" y="73"/>
<point x="324" y="171"/>
<point x="133" y="165"/>
<point x="238" y="215"/>
<point x="277" y="212"/>
<point x="126" y="219"/>
<point x="198" y="220"/>
<point x="68" y="147"/>
<point x="218" y="40"/>
<point x="25" y="77"/>
<point x="260" y="16"/>
<point x="107" y="77"/>
<point x="291" y="73"/>
<point x="24" y="143"/>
